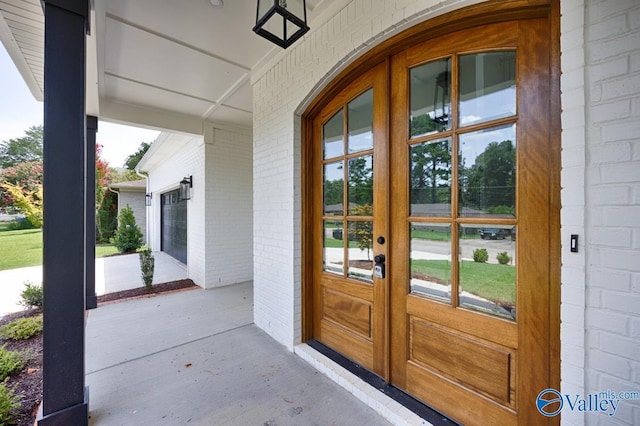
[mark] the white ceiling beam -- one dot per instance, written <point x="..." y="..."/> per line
<point x="144" y="116"/>
<point x="164" y="89"/>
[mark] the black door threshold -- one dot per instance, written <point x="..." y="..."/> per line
<point x="403" y="398"/>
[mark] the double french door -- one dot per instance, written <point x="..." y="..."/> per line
<point x="432" y="180"/>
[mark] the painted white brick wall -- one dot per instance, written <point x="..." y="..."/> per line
<point x="612" y="218"/>
<point x="572" y="216"/>
<point x="281" y="92"/>
<point x="220" y="229"/>
<point x="189" y="160"/>
<point x="229" y="208"/>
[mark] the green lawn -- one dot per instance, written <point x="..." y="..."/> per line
<point x="24" y="248"/>
<point x="333" y="243"/>
<point x="439" y="236"/>
<point x="490" y="281"/>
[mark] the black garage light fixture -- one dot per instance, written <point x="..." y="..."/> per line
<point x="281" y="21"/>
<point x="147" y="199"/>
<point x="185" y="188"/>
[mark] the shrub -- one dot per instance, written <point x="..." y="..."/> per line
<point x="9" y="404"/>
<point x="28" y="201"/>
<point x="19" y="224"/>
<point x="147" y="267"/>
<point x="503" y="258"/>
<point x="10" y="362"/>
<point x="128" y="236"/>
<point x="32" y="295"/>
<point x="107" y="218"/>
<point x="480" y="255"/>
<point x="23" y="328"/>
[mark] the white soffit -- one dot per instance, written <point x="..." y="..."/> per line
<point x="188" y="60"/>
<point x="22" y="33"/>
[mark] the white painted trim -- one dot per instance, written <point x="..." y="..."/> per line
<point x="18" y="59"/>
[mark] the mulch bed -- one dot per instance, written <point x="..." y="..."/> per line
<point x="28" y="383"/>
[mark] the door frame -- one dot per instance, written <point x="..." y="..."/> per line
<point x="481" y="14"/>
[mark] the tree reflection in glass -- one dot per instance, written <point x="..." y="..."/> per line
<point x="487" y="172"/>
<point x="431" y="178"/>
<point x="334" y="188"/>
<point x="360" y="190"/>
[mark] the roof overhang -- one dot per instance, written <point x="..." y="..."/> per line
<point x="164" y="65"/>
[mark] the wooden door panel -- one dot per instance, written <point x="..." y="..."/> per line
<point x="349" y="312"/>
<point x="478" y="365"/>
<point x="457" y="401"/>
<point x="503" y="333"/>
<point x="352" y="345"/>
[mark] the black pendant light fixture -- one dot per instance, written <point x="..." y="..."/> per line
<point x="281" y="21"/>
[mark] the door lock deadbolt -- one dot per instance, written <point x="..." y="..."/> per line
<point x="379" y="268"/>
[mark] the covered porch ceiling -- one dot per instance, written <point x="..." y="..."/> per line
<point x="168" y="64"/>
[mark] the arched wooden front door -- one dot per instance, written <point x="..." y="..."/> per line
<point x="442" y="159"/>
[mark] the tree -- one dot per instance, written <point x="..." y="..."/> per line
<point x="128" y="236"/>
<point x="122" y="175"/>
<point x="362" y="231"/>
<point x="424" y="124"/>
<point x="132" y="161"/>
<point x="361" y="181"/>
<point x="25" y="149"/>
<point x="430" y="171"/>
<point x="26" y="175"/>
<point x="28" y="201"/>
<point x="103" y="231"/>
<point x="490" y="181"/>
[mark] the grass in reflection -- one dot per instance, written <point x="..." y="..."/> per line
<point x="492" y="282"/>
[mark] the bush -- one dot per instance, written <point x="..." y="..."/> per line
<point x="20" y="224"/>
<point x="147" y="267"/>
<point x="480" y="255"/>
<point x="32" y="295"/>
<point x="107" y="218"/>
<point x="10" y="362"/>
<point x="9" y="404"/>
<point x="128" y="236"/>
<point x="23" y="328"/>
<point x="503" y="258"/>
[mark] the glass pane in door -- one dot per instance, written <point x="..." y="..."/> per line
<point x="334" y="189"/>
<point x="487" y="87"/>
<point x="360" y="251"/>
<point x="430" y="91"/>
<point x="360" y="122"/>
<point x="430" y="180"/>
<point x="431" y="260"/>
<point x="488" y="269"/>
<point x="333" y="136"/>
<point x="333" y="247"/>
<point x="360" y="189"/>
<point x="487" y="173"/>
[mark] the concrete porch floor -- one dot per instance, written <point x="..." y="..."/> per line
<point x="195" y="357"/>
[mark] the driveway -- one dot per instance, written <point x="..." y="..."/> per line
<point x="113" y="273"/>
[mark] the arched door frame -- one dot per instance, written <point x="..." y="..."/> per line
<point x="469" y="17"/>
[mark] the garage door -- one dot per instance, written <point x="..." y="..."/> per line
<point x="174" y="225"/>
